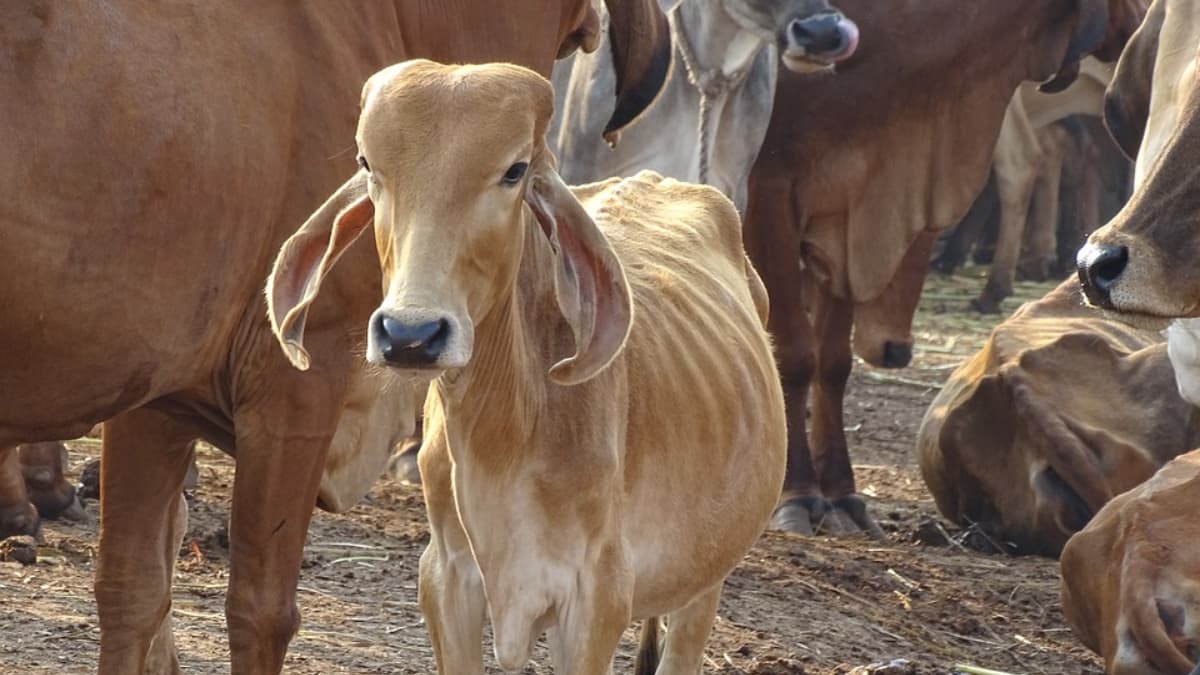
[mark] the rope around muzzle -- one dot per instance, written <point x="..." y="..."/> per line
<point x="711" y="83"/>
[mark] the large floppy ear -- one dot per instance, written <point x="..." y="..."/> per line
<point x="589" y="281"/>
<point x="1127" y="101"/>
<point x="1091" y="25"/>
<point x="640" y="40"/>
<point x="307" y="256"/>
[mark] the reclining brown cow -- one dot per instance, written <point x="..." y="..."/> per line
<point x="854" y="169"/>
<point x="151" y="171"/>
<point x="1130" y="589"/>
<point x="1061" y="410"/>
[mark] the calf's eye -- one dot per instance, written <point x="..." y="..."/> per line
<point x="515" y="173"/>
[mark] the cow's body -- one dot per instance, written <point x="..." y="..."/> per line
<point x="154" y="148"/>
<point x="1026" y="150"/>
<point x="1061" y="410"/>
<point x="849" y="188"/>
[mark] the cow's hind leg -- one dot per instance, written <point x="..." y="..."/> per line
<point x="450" y="588"/>
<point x="17" y="514"/>
<point x="145" y="456"/>
<point x="687" y="632"/>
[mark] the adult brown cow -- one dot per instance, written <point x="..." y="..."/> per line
<point x="156" y="158"/>
<point x="854" y="168"/>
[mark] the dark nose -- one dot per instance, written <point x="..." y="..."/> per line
<point x="1099" y="269"/>
<point x="820" y="34"/>
<point x="896" y="354"/>
<point x="404" y="344"/>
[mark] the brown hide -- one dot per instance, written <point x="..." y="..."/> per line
<point x="855" y="167"/>
<point x="1060" y="410"/>
<point x="157" y="155"/>
<point x="1130" y="588"/>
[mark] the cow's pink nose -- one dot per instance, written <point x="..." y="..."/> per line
<point x="411" y="345"/>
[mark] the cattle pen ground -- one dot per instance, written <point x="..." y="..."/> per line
<point x="917" y="603"/>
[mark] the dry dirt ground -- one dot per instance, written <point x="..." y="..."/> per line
<point x="796" y="605"/>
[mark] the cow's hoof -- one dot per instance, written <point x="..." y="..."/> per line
<point x="985" y="305"/>
<point x="803" y="515"/>
<point x="58" y="503"/>
<point x="403" y="465"/>
<point x="20" y="521"/>
<point x="854" y="509"/>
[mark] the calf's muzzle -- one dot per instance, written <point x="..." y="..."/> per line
<point x="408" y="344"/>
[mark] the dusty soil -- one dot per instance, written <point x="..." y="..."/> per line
<point x="796" y="605"/>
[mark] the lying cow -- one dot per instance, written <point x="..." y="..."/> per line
<point x="857" y="172"/>
<point x="709" y="122"/>
<point x="149" y="177"/>
<point x="624" y="481"/>
<point x="1060" y="410"/>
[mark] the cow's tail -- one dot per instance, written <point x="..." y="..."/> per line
<point x="648" y="654"/>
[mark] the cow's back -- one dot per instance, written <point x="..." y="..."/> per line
<point x="152" y="170"/>
<point x="704" y="394"/>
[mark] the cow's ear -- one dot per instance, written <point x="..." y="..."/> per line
<point x="1127" y="101"/>
<point x="589" y="281"/>
<point x="1091" y="25"/>
<point x="307" y="256"/>
<point x="640" y="40"/>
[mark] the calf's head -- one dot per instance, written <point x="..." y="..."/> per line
<point x="455" y="175"/>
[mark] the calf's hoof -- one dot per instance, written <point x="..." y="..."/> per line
<point x="986" y="304"/>
<point x="89" y="481"/>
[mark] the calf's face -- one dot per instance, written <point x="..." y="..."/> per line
<point x="450" y="156"/>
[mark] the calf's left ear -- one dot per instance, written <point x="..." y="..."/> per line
<point x="1091" y="25"/>
<point x="589" y="281"/>
<point x="307" y="256"/>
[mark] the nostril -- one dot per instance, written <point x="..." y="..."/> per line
<point x="1100" y="267"/>
<point x="819" y="34"/>
<point x="1107" y="267"/>
<point x="436" y="344"/>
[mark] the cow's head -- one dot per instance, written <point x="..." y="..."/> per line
<point x="453" y="159"/>
<point x="1142" y="264"/>
<point x="811" y="35"/>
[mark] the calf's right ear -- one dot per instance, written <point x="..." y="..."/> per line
<point x="307" y="256"/>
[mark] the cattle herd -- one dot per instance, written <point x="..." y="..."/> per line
<point x="622" y="256"/>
